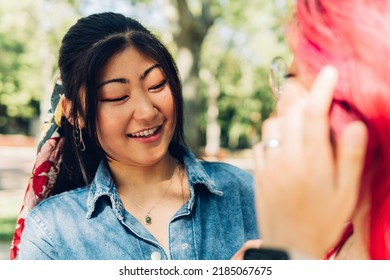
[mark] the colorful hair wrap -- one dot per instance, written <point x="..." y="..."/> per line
<point x="46" y="165"/>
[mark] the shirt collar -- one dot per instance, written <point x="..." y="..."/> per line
<point x="103" y="184"/>
<point x="196" y="172"/>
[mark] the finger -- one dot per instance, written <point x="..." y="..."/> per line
<point x="351" y="150"/>
<point x="271" y="136"/>
<point x="316" y="126"/>
<point x="319" y="100"/>
<point x="292" y="130"/>
<point x="270" y="129"/>
<point x="293" y="91"/>
<point x="239" y="255"/>
<point x="321" y="91"/>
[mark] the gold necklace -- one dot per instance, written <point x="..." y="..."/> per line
<point x="148" y="218"/>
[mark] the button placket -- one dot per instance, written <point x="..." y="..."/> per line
<point x="155" y="256"/>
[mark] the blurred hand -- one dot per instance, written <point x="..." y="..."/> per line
<point x="293" y="91"/>
<point x="306" y="188"/>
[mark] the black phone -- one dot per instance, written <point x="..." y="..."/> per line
<point x="265" y="254"/>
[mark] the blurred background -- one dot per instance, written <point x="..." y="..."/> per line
<point x="222" y="48"/>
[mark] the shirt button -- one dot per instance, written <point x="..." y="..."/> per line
<point x="155" y="256"/>
<point x="184" y="246"/>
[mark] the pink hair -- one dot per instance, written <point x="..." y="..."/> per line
<point x="354" y="36"/>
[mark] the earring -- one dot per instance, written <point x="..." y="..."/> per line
<point x="78" y="138"/>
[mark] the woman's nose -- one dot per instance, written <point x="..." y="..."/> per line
<point x="144" y="108"/>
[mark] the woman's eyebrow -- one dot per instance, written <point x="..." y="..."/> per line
<point x="148" y="70"/>
<point x="116" y="80"/>
<point x="126" y="81"/>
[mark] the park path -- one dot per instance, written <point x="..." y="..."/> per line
<point x="16" y="158"/>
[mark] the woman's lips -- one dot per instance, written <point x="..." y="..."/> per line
<point x="149" y="135"/>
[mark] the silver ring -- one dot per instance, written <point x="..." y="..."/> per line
<point x="272" y="143"/>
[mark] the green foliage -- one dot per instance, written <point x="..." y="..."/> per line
<point x="238" y="50"/>
<point x="242" y="113"/>
<point x="30" y="33"/>
<point x="17" y="103"/>
<point x="7" y="229"/>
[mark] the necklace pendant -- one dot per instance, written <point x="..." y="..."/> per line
<point x="148" y="220"/>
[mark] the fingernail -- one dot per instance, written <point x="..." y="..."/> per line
<point x="329" y="71"/>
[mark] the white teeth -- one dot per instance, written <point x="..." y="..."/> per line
<point x="144" y="133"/>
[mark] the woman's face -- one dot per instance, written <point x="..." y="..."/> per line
<point x="135" y="114"/>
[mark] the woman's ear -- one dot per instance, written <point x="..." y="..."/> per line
<point x="66" y="108"/>
<point x="66" y="105"/>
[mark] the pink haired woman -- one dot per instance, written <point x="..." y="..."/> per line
<point x="331" y="141"/>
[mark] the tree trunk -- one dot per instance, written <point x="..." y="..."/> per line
<point x="189" y="38"/>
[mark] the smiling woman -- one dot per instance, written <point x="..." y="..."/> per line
<point x="114" y="178"/>
<point x="135" y="110"/>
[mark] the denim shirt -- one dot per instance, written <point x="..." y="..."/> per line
<point x="92" y="223"/>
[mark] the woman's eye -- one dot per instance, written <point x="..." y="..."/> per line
<point x="122" y="98"/>
<point x="158" y="87"/>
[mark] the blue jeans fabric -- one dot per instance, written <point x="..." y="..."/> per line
<point x="91" y="222"/>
